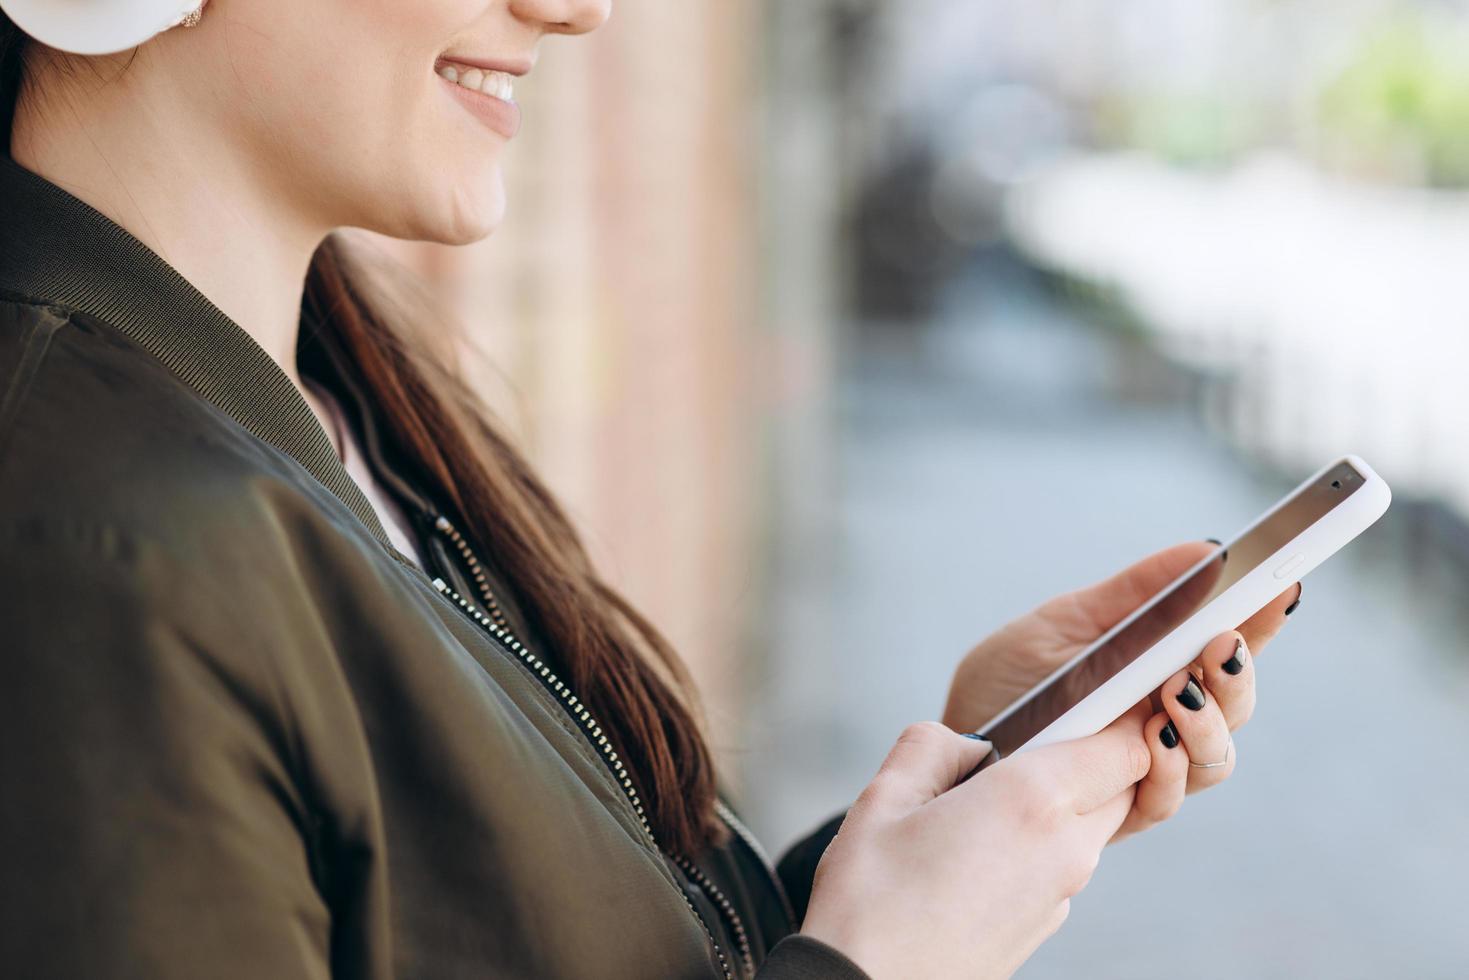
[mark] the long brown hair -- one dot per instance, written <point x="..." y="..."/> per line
<point x="623" y="668"/>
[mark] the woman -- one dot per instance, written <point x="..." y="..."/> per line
<point x="306" y="673"/>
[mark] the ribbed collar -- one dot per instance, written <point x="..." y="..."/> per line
<point x="56" y="247"/>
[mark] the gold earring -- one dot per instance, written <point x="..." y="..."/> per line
<point x="192" y="18"/>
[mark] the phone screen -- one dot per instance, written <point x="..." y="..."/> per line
<point x="1167" y="610"/>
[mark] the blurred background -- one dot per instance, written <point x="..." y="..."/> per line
<point x="851" y="329"/>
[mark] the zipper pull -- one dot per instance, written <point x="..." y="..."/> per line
<point x="441" y="585"/>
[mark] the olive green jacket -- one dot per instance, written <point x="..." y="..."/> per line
<point x="241" y="736"/>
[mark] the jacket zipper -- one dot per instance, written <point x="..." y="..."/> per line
<point x="725" y="907"/>
<point x="594" y="733"/>
<point x="443" y="524"/>
<point x="499" y="627"/>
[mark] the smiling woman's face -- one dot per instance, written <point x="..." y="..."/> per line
<point x="348" y="107"/>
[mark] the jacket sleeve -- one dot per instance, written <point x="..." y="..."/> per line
<point x="149" y="827"/>
<point x="799" y="957"/>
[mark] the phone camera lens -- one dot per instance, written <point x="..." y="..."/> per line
<point x="1336" y="484"/>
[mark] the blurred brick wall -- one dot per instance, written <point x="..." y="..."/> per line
<point x="611" y="314"/>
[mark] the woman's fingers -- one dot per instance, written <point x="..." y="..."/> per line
<point x="1227" y="667"/>
<point x="1097" y="608"/>
<point x="927" y="761"/>
<point x="1161" y="791"/>
<point x="1085" y="774"/>
<point x="1201" y="728"/>
<point x="1261" y="628"/>
<point x="1108" y="822"/>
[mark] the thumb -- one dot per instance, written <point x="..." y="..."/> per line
<point x="1095" y="769"/>
<point x="928" y="760"/>
<point x="1106" y="603"/>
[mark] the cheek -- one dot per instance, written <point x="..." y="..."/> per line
<point x="362" y="129"/>
<point x="440" y="173"/>
<point x="436" y="170"/>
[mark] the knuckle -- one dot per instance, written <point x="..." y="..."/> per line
<point x="1139" y="758"/>
<point x="914" y="742"/>
<point x="1214" y="778"/>
<point x="1078" y="872"/>
<point x="1157" y="810"/>
<point x="1039" y="798"/>
<point x="1058" y="917"/>
<point x="1244" y="710"/>
<point x="882" y="788"/>
<point x="866" y="801"/>
<point x="924" y="734"/>
<point x="1209" y="778"/>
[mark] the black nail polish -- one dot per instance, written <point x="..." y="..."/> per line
<point x="1192" y="695"/>
<point x="1168" y="735"/>
<point x="1236" y="661"/>
<point x="1223" y="555"/>
<point x="976" y="736"/>
<point x="1300" y="588"/>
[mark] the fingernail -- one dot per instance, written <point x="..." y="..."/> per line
<point x="1236" y="661"/>
<point x="1292" y="607"/>
<point x="990" y="757"/>
<point x="1192" y="695"/>
<point x="1223" y="555"/>
<point x="1168" y="735"/>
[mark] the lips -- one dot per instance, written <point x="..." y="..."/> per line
<point x="496" y="114"/>
<point x="488" y="95"/>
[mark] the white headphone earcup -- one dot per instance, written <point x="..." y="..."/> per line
<point x="95" y="26"/>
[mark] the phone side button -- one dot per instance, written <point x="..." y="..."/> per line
<point x="1289" y="565"/>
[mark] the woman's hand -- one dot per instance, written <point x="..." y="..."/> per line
<point x="1202" y="715"/>
<point x="930" y="879"/>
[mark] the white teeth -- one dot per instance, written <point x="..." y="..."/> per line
<point x="497" y="83"/>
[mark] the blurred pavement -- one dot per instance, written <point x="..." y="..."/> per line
<point x="1006" y="452"/>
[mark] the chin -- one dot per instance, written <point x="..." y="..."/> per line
<point x="461" y="213"/>
<point x="476" y="207"/>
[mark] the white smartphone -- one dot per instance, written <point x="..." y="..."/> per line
<point x="1129" y="661"/>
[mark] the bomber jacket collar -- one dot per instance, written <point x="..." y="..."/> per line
<point x="57" y="248"/>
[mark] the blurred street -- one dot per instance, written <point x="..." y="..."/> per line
<point x="1004" y="451"/>
<point x="767" y="315"/>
